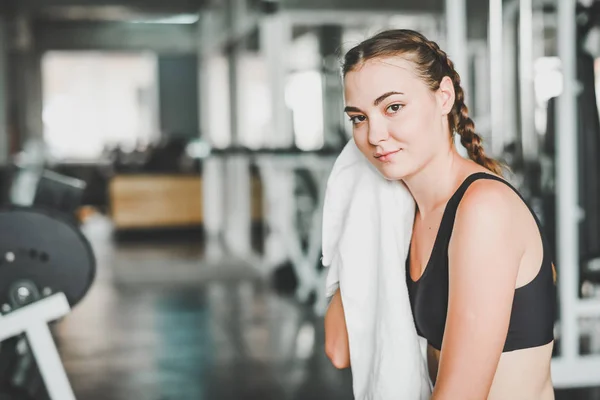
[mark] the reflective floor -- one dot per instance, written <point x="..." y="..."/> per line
<point x="221" y="337"/>
<point x="218" y="335"/>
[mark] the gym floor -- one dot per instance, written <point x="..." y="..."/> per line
<point x="223" y="335"/>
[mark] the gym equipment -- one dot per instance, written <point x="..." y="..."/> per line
<point x="59" y="193"/>
<point x="46" y="267"/>
<point x="294" y="189"/>
<point x="588" y="147"/>
<point x="574" y="129"/>
<point x="44" y="254"/>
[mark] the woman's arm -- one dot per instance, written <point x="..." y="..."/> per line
<point x="484" y="256"/>
<point x="336" y="334"/>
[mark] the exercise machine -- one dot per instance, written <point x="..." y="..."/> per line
<point x="46" y="267"/>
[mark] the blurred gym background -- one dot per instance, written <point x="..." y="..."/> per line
<point x="162" y="171"/>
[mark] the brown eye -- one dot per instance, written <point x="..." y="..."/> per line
<point x="357" y="119"/>
<point x="394" y="108"/>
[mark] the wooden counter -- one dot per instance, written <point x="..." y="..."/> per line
<point x="155" y="201"/>
<point x="164" y="201"/>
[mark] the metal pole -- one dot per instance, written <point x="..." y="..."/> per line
<point x="276" y="39"/>
<point x="49" y="362"/>
<point x="510" y="88"/>
<point x="4" y="135"/>
<point x="496" y="75"/>
<point x="237" y="192"/>
<point x="567" y="183"/>
<point x="233" y="59"/>
<point x="330" y="40"/>
<point x="203" y="33"/>
<point x="32" y="78"/>
<point x="213" y="178"/>
<point x="526" y="89"/>
<point x="456" y="34"/>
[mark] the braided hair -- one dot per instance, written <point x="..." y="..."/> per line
<point x="432" y="65"/>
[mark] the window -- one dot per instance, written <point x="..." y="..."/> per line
<point x="92" y="100"/>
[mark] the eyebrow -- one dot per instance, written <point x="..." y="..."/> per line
<point x="376" y="102"/>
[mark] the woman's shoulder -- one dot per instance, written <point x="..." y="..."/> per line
<point x="489" y="225"/>
<point x="489" y="193"/>
<point x="490" y="204"/>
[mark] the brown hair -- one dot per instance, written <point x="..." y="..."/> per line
<point x="432" y="64"/>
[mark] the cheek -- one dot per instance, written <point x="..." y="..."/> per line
<point x="408" y="129"/>
<point x="360" y="138"/>
<point x="416" y="128"/>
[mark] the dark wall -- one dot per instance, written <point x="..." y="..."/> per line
<point x="165" y="39"/>
<point x="178" y="94"/>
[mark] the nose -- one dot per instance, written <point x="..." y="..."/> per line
<point x="378" y="132"/>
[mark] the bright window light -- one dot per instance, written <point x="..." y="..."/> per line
<point x="92" y="100"/>
<point x="304" y="97"/>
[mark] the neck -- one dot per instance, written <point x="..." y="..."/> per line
<point x="434" y="184"/>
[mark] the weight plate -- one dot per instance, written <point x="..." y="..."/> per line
<point x="46" y="249"/>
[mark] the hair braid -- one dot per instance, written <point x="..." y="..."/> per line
<point x="459" y="119"/>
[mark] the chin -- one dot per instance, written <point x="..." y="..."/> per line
<point x="393" y="172"/>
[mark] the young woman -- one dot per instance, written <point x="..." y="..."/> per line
<point x="479" y="273"/>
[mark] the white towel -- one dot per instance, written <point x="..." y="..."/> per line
<point x="367" y="226"/>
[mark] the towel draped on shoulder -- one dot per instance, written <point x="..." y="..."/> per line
<point x="367" y="227"/>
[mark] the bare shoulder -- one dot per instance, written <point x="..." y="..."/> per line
<point x="488" y="200"/>
<point x="490" y="213"/>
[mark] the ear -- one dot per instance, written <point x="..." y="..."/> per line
<point x="446" y="95"/>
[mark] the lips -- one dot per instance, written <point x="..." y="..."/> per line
<point x="384" y="155"/>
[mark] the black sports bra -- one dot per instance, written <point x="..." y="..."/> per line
<point x="534" y="305"/>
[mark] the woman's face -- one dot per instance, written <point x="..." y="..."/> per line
<point x="399" y="124"/>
